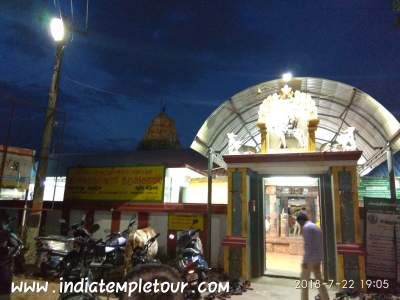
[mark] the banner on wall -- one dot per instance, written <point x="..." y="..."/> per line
<point x="17" y="168"/>
<point x="144" y="183"/>
<point x="382" y="239"/>
<point x="184" y="222"/>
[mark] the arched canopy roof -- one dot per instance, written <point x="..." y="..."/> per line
<point x="339" y="106"/>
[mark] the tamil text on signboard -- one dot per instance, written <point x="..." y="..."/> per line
<point x="185" y="222"/>
<point x="116" y="183"/>
<point x="382" y="225"/>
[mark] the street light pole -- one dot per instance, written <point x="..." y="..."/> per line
<point x="209" y="203"/>
<point x="33" y="224"/>
<point x="392" y="178"/>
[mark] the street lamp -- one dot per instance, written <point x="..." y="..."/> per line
<point x="57" y="29"/>
<point x="286" y="77"/>
<point x="58" y="33"/>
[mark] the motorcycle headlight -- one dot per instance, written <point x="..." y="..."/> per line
<point x="57" y="245"/>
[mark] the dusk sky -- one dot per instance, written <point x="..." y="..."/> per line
<point x="190" y="55"/>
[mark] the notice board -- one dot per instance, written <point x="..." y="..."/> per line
<point x="184" y="222"/>
<point x="137" y="183"/>
<point x="382" y="239"/>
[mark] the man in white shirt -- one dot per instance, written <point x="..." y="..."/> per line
<point x="313" y="256"/>
<point x="267" y="224"/>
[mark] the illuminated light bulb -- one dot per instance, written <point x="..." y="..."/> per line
<point x="57" y="29"/>
<point x="287" y="77"/>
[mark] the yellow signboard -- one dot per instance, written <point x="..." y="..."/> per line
<point x="184" y="222"/>
<point x="116" y="183"/>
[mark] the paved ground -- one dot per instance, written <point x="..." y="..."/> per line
<point x="268" y="288"/>
<point x="265" y="288"/>
<point x="283" y="264"/>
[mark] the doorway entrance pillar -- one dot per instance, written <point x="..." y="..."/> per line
<point x="236" y="243"/>
<point x="350" y="248"/>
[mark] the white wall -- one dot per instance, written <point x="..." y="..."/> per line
<point x="75" y="216"/>
<point x="53" y="224"/>
<point x="103" y="218"/>
<point x="125" y="218"/>
<point x="159" y="221"/>
<point x="198" y="191"/>
<point x="218" y="230"/>
<point x="175" y="179"/>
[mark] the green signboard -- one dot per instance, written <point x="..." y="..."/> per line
<point x="377" y="187"/>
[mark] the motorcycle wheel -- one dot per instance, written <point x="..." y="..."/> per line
<point x="19" y="264"/>
<point x="192" y="294"/>
<point x="77" y="296"/>
<point x="43" y="269"/>
<point x="120" y="258"/>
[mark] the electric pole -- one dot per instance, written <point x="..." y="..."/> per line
<point x="209" y="202"/>
<point x="34" y="217"/>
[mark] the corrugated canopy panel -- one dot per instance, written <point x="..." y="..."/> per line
<point x="339" y="106"/>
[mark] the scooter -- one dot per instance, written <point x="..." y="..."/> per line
<point x="190" y="261"/>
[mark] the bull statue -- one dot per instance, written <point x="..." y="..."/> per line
<point x="139" y="238"/>
<point x="235" y="145"/>
<point x="345" y="141"/>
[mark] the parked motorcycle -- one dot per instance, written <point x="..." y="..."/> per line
<point x="14" y="245"/>
<point x="190" y="261"/>
<point x="67" y="295"/>
<point x="110" y="252"/>
<point x="11" y="248"/>
<point x="57" y="253"/>
<point x="76" y="263"/>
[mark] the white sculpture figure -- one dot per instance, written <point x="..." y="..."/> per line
<point x="297" y="128"/>
<point x="345" y="141"/>
<point x="235" y="146"/>
<point x="287" y="117"/>
<point x="233" y="143"/>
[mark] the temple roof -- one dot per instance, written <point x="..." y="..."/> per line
<point x="161" y="134"/>
<point x="339" y="106"/>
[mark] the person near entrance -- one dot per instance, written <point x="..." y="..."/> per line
<point x="313" y="256"/>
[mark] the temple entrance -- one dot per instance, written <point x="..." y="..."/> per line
<point x="284" y="198"/>
<point x="288" y="161"/>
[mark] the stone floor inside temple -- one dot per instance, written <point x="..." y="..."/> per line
<point x="281" y="264"/>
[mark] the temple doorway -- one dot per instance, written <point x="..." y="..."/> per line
<point x="284" y="198"/>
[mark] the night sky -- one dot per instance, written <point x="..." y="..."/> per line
<point x="189" y="55"/>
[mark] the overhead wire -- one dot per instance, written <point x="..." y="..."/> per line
<point x="72" y="11"/>
<point x="101" y="90"/>
<point x="87" y="16"/>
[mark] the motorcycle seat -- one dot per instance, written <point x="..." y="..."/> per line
<point x="58" y="238"/>
<point x="191" y="251"/>
<point x="100" y="265"/>
<point x="60" y="253"/>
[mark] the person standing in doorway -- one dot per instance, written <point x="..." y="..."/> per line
<point x="267" y="224"/>
<point x="313" y="256"/>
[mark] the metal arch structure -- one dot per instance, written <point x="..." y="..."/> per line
<point x="339" y="106"/>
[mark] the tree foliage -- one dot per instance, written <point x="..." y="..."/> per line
<point x="396" y="5"/>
